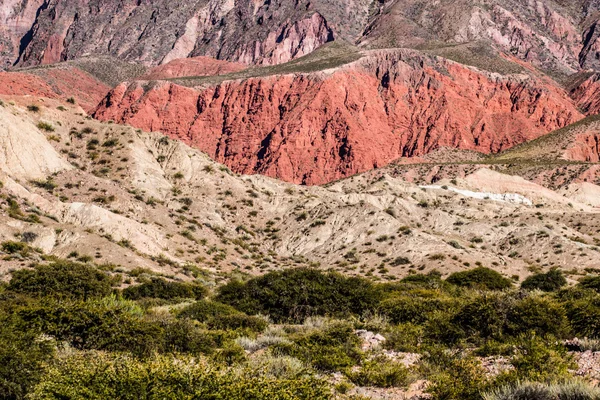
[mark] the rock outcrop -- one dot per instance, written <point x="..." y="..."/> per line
<point x="161" y="31"/>
<point x="562" y="38"/>
<point x="195" y="66"/>
<point x="61" y="82"/>
<point x="317" y="127"/>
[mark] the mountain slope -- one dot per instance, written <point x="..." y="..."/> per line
<point x="136" y="199"/>
<point x="557" y="36"/>
<point x="316" y="127"/>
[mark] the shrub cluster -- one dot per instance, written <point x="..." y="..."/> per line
<point x="295" y="294"/>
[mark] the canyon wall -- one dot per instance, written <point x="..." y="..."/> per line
<point x="317" y="127"/>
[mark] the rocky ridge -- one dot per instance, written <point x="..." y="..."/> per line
<point x="312" y="128"/>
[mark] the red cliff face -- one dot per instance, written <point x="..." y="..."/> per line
<point x="587" y="94"/>
<point x="315" y="128"/>
<point x="57" y="83"/>
<point x="196" y="66"/>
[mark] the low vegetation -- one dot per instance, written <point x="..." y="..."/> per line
<point x="71" y="330"/>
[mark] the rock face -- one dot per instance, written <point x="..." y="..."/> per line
<point x="558" y="36"/>
<point x="24" y="151"/>
<point x="196" y="66"/>
<point x="157" y="32"/>
<point x="16" y="19"/>
<point x="586" y="94"/>
<point x="318" y="127"/>
<point x="59" y="83"/>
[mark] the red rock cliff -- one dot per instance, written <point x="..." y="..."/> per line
<point x="315" y="128"/>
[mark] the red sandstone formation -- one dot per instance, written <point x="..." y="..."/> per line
<point x="196" y="66"/>
<point x="318" y="127"/>
<point x="587" y="94"/>
<point x="59" y="83"/>
<point x="585" y="146"/>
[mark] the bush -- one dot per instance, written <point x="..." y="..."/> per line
<point x="551" y="281"/>
<point x="415" y="307"/>
<point x="480" y="278"/>
<point x="570" y="390"/>
<point x="540" y="315"/>
<point x="432" y="280"/>
<point x="205" y="310"/>
<point x="590" y="282"/>
<point x="332" y="349"/>
<point x="584" y="315"/>
<point x="96" y="325"/>
<point x="162" y="289"/>
<point x="293" y="295"/>
<point x="404" y="337"/>
<point x="93" y="375"/>
<point x="238" y="321"/>
<point x="183" y="336"/>
<point x="453" y="377"/>
<point x="538" y="359"/>
<point x="61" y="279"/>
<point x="22" y="358"/>
<point x="484" y="317"/>
<point x="14" y="247"/>
<point x="380" y="372"/>
<point x="44" y="126"/>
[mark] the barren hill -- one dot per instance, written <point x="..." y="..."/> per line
<point x="134" y="199"/>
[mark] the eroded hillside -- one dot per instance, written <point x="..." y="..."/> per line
<point x="118" y="195"/>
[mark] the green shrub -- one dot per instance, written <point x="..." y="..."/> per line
<point x="584" y="315"/>
<point x="404" y="337"/>
<point x="163" y="289"/>
<point x="551" y="281"/>
<point x="380" y="372"/>
<point x="415" y="307"/>
<point x="538" y="359"/>
<point x="205" y="310"/>
<point x="61" y="279"/>
<point x="33" y="108"/>
<point x="541" y="315"/>
<point x="332" y="349"/>
<point x="480" y="278"/>
<point x="238" y="321"/>
<point x="293" y="295"/>
<point x="22" y="358"/>
<point x="432" y="280"/>
<point x="454" y="377"/>
<point x="96" y="325"/>
<point x="590" y="282"/>
<point x="14" y="247"/>
<point x="96" y="376"/>
<point x="484" y="316"/>
<point x="44" y="126"/>
<point x="183" y="336"/>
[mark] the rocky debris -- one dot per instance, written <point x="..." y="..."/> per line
<point x="588" y="364"/>
<point x="415" y="391"/>
<point x="495" y="365"/>
<point x="318" y="127"/>
<point x="370" y="340"/>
